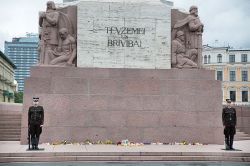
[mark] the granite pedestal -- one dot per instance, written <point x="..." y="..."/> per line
<point x="142" y="105"/>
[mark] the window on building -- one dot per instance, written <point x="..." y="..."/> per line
<point x="233" y="95"/>
<point x="219" y="75"/>
<point x="243" y="57"/>
<point x="232" y="75"/>
<point x="209" y="59"/>
<point x="244" y="75"/>
<point x="244" y="95"/>
<point x="219" y="58"/>
<point x="205" y="59"/>
<point x="231" y="58"/>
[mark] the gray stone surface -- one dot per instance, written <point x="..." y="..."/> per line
<point x="143" y="105"/>
<point x="14" y="152"/>
<point x="124" y="34"/>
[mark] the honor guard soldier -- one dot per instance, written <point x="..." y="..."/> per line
<point x="35" y="122"/>
<point x="229" y="122"/>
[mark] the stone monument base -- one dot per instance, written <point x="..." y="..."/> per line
<point x="142" y="105"/>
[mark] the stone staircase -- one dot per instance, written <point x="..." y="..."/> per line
<point x="119" y="156"/>
<point x="10" y="124"/>
<point x="240" y="135"/>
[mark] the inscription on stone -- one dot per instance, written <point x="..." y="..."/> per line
<point x="122" y="34"/>
<point x="125" y="36"/>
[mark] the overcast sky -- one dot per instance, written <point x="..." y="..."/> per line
<point x="227" y="21"/>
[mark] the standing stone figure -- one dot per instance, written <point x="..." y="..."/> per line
<point x="40" y="50"/>
<point x="49" y="22"/>
<point x="229" y="119"/>
<point x="35" y="122"/>
<point x="192" y="28"/>
<point x="66" y="50"/>
<point x="179" y="54"/>
<point x="57" y="45"/>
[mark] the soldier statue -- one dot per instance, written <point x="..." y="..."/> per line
<point x="35" y="122"/>
<point x="57" y="44"/>
<point x="229" y="119"/>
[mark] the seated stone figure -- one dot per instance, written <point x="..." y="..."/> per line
<point x="180" y="57"/>
<point x="192" y="28"/>
<point x="65" y="53"/>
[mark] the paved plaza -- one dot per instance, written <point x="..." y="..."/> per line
<point x="14" y="152"/>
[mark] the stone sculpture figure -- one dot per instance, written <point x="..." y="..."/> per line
<point x="66" y="50"/>
<point x="40" y="50"/>
<point x="192" y="28"/>
<point x="179" y="54"/>
<point x="49" y="36"/>
<point x="56" y="47"/>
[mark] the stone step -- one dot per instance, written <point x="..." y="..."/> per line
<point x="2" y="117"/>
<point x="11" y="130"/>
<point x="10" y="126"/>
<point x="10" y="123"/>
<point x="127" y="152"/>
<point x="241" y="138"/>
<point x="123" y="158"/>
<point x="5" y="136"/>
<point x="15" y="126"/>
<point x="5" y="116"/>
<point x="10" y="133"/>
<point x="10" y="139"/>
<point x="10" y="113"/>
<point x="10" y="120"/>
<point x="242" y="134"/>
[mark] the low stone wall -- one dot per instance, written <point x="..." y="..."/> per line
<point x="142" y="105"/>
<point x="243" y="118"/>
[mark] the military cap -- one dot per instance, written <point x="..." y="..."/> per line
<point x="35" y="98"/>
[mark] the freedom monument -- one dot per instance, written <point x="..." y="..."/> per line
<point x="115" y="69"/>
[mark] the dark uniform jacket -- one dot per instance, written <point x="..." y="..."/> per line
<point x="36" y="115"/>
<point x="229" y="116"/>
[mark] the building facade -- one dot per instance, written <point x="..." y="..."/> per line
<point x="232" y="67"/>
<point x="22" y="51"/>
<point x="7" y="81"/>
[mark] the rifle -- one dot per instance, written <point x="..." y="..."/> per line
<point x="29" y="136"/>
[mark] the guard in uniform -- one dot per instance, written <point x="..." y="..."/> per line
<point x="229" y="119"/>
<point x="35" y="122"/>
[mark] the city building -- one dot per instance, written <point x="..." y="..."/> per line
<point x="232" y="67"/>
<point x="7" y="81"/>
<point x="22" y="51"/>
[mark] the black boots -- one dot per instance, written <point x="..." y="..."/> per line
<point x="231" y="144"/>
<point x="34" y="142"/>
<point x="227" y="144"/>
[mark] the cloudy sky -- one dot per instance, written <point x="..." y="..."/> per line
<point x="226" y="21"/>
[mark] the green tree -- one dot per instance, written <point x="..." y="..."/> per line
<point x="18" y="97"/>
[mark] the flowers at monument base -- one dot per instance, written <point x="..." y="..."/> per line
<point x="108" y="142"/>
<point x="124" y="142"/>
<point x="127" y="143"/>
<point x="64" y="142"/>
<point x="88" y="142"/>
